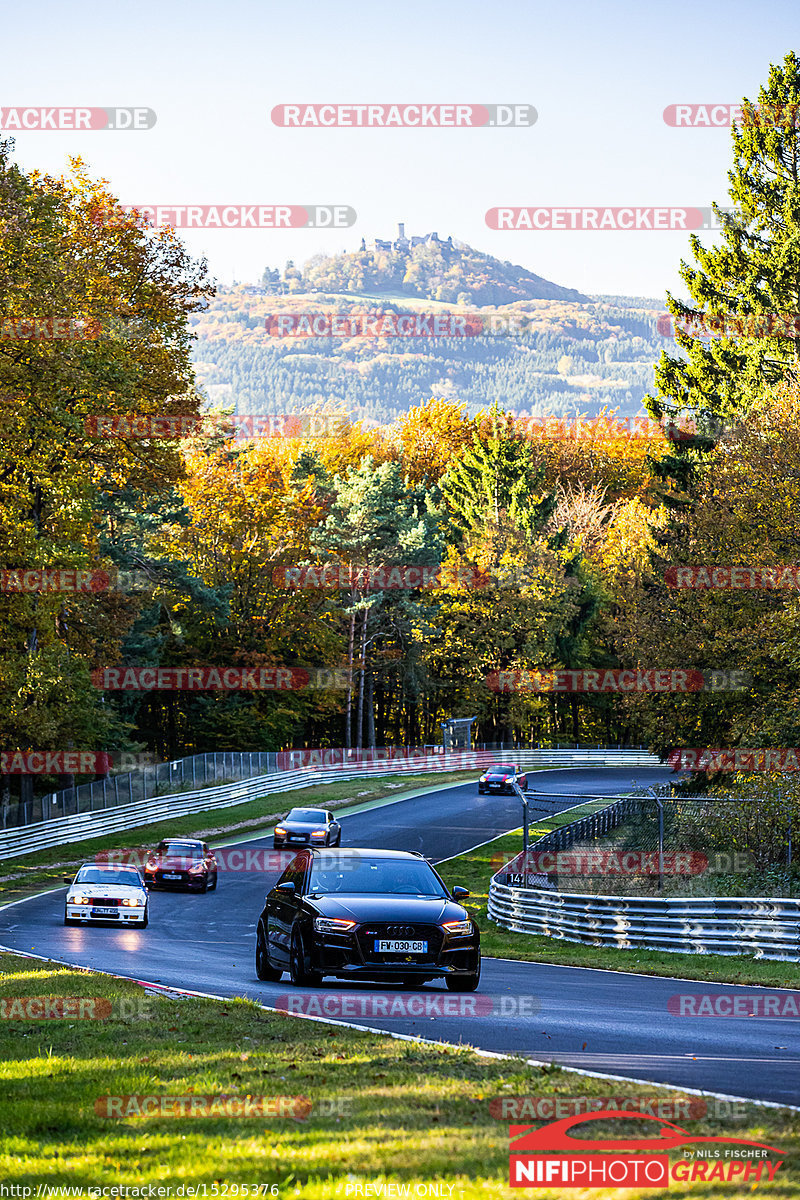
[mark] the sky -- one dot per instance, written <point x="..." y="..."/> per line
<point x="599" y="76"/>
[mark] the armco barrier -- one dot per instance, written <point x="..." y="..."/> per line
<point x="756" y="926"/>
<point x="61" y="831"/>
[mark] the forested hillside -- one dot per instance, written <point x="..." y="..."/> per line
<point x="569" y="354"/>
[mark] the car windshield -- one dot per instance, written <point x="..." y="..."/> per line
<point x="306" y="815"/>
<point x="508" y="769"/>
<point x="177" y="850"/>
<point x="378" y="876"/>
<point x="122" y="878"/>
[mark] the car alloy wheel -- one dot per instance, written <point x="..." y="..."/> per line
<point x="300" y="975"/>
<point x="264" y="970"/>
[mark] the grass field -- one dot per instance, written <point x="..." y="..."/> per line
<point x="382" y="1110"/>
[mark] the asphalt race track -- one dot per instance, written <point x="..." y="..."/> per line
<point x="605" y="1022"/>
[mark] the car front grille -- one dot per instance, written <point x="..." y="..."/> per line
<point x="105" y="903"/>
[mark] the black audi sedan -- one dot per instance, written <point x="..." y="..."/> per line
<point x="500" y="777"/>
<point x="380" y="915"/>
<point x="307" y="827"/>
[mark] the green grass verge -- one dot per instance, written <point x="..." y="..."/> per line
<point x="381" y="1109"/>
<point x="475" y="869"/>
<point x="26" y="874"/>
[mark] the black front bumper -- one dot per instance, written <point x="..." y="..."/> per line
<point x="349" y="956"/>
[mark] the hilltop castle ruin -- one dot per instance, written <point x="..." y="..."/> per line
<point x="404" y="244"/>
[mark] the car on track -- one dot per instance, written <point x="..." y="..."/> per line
<point x="106" y="893"/>
<point x="181" y="863"/>
<point x="500" y="777"/>
<point x="380" y="915"/>
<point x="307" y="827"/>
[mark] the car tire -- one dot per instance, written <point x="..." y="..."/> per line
<point x="276" y="845"/>
<point x="265" y="972"/>
<point x="204" y="888"/>
<point x="462" y="983"/>
<point x="146" y="920"/>
<point x="68" y="921"/>
<point x="213" y="887"/>
<point x="339" y="839"/>
<point x="298" y="973"/>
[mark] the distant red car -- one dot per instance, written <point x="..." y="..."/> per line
<point x="182" y="864"/>
<point x="501" y="777"/>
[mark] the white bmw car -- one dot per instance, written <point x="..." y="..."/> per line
<point x="106" y="893"/>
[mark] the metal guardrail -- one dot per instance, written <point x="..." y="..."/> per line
<point x="756" y="926"/>
<point x="204" y="769"/>
<point x="62" y="831"/>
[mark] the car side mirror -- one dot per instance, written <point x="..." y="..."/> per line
<point x="460" y="893"/>
<point x="286" y="889"/>
<point x="68" y="878"/>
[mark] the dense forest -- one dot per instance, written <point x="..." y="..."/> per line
<point x="567" y="357"/>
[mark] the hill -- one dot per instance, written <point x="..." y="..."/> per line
<point x="425" y="267"/>
<point x="562" y="353"/>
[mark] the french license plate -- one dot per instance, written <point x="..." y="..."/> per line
<point x="171" y="875"/>
<point x="396" y="947"/>
<point x="106" y="912"/>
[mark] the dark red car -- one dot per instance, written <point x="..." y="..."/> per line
<point x="183" y="864"/>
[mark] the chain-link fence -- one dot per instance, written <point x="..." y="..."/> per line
<point x="657" y="842"/>
<point x="185" y="774"/>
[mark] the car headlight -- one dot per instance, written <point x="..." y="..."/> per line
<point x="132" y="902"/>
<point x="77" y="899"/>
<point x="279" y="829"/>
<point x="319" y="833"/>
<point x="198" y="869"/>
<point x="482" y="779"/>
<point x="457" y="928"/>
<point x="333" y="925"/>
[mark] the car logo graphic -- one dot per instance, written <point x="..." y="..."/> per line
<point x="529" y="1138"/>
